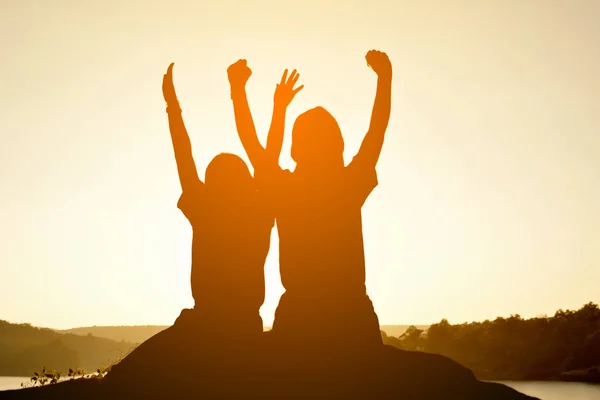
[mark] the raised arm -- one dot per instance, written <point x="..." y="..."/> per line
<point x="370" y="148"/>
<point x="186" y="167"/>
<point x="284" y="94"/>
<point x="238" y="74"/>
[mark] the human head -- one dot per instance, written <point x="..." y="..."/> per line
<point x="317" y="139"/>
<point x="227" y="176"/>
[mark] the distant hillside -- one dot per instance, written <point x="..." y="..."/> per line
<point x="25" y="349"/>
<point x="138" y="334"/>
<point x="134" y="334"/>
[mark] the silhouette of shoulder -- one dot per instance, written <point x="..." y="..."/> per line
<point x="192" y="202"/>
<point x="356" y="181"/>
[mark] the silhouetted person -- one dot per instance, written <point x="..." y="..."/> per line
<point x="318" y="213"/>
<point x="231" y="225"/>
<point x="326" y="341"/>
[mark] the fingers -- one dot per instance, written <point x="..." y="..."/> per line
<point x="285" y="87"/>
<point x="167" y="85"/>
<point x="369" y="57"/>
<point x="168" y="77"/>
<point x="294" y="77"/>
<point x="239" y="64"/>
<point x="169" y="74"/>
<point x="375" y="54"/>
<point x="242" y="63"/>
<point x="291" y="81"/>
<point x="378" y="61"/>
<point x="299" y="88"/>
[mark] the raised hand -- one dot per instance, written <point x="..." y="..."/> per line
<point x="380" y="63"/>
<point x="238" y="73"/>
<point x="285" y="92"/>
<point x="168" y="88"/>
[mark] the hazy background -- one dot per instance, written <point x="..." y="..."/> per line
<point x="489" y="177"/>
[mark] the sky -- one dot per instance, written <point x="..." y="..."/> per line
<point x="489" y="179"/>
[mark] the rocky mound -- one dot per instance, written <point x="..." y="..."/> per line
<point x="270" y="371"/>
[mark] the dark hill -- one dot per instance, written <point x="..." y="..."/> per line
<point x="389" y="374"/>
<point x="25" y="349"/>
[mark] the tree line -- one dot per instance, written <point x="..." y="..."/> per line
<point x="558" y="347"/>
<point x="564" y="346"/>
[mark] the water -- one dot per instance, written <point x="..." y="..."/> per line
<point x="14" y="382"/>
<point x="557" y="390"/>
<point x="11" y="382"/>
<point x="541" y="390"/>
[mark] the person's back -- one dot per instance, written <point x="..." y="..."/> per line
<point x="320" y="230"/>
<point x="321" y="250"/>
<point x="229" y="249"/>
<point x="231" y="237"/>
<point x="231" y="226"/>
<point x="318" y="213"/>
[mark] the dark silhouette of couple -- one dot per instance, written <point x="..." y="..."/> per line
<point x="318" y="212"/>
<point x="317" y="208"/>
<point x="325" y="341"/>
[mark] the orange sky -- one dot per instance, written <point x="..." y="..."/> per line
<point x="489" y="177"/>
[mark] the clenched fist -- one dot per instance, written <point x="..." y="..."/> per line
<point x="238" y="73"/>
<point x="380" y="63"/>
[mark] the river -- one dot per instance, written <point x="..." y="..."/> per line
<point x="541" y="390"/>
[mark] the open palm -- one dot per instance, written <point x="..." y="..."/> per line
<point x="285" y="92"/>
